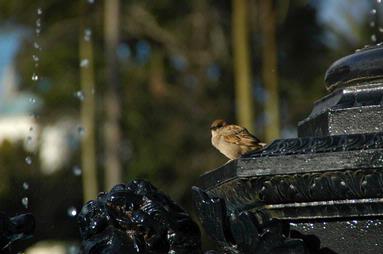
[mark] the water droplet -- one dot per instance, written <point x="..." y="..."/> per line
<point x="24" y="201"/>
<point x="80" y="130"/>
<point x="372" y="23"/>
<point x="35" y="58"/>
<point x="373" y="11"/>
<point x="28" y="160"/>
<point x="39" y="11"/>
<point x="77" y="170"/>
<point x="32" y="100"/>
<point x="379" y="1"/>
<point x="25" y="186"/>
<point x="87" y="34"/>
<point x="38" y="31"/>
<point x="91" y="1"/>
<point x="93" y="225"/>
<point x="373" y="38"/>
<point x="72" y="211"/>
<point x="73" y="249"/>
<point x="80" y="95"/>
<point x="84" y="63"/>
<point x="38" y="22"/>
<point x="36" y="45"/>
<point x="35" y="77"/>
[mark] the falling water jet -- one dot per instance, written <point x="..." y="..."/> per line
<point x="84" y="63"/>
<point x="80" y="95"/>
<point x="77" y="170"/>
<point x="81" y="130"/>
<point x="25" y="201"/>
<point x="72" y="211"/>
<point x="87" y="34"/>
<point x="28" y="160"/>
<point x="35" y="77"/>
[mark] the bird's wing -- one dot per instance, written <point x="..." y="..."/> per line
<point x="238" y="135"/>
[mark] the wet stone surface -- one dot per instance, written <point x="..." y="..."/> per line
<point x="363" y="65"/>
<point x="354" y="236"/>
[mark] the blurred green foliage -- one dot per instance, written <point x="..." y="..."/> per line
<point x="176" y="77"/>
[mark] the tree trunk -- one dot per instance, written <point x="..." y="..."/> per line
<point x="112" y="133"/>
<point x="88" y="158"/>
<point x="270" y="70"/>
<point x="243" y="87"/>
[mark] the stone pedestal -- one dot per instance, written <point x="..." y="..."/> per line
<point x="300" y="195"/>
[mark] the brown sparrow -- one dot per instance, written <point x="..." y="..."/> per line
<point x="233" y="140"/>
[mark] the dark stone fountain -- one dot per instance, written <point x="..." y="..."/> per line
<point x="319" y="193"/>
<point x="15" y="228"/>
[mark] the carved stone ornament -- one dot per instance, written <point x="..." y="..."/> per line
<point x="137" y="218"/>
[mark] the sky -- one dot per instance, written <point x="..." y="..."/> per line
<point x="9" y="44"/>
<point x="12" y="102"/>
<point x="336" y="14"/>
